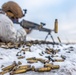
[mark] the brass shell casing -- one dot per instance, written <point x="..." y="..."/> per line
<point x="56" y="26"/>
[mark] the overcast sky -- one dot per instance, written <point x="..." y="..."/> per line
<point x="47" y="11"/>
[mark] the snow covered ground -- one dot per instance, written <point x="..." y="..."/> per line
<point x="68" y="67"/>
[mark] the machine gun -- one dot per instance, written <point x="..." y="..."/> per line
<point x="31" y="25"/>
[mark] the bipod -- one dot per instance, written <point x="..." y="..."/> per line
<point x="51" y="38"/>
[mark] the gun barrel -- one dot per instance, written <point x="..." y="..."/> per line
<point x="28" y="24"/>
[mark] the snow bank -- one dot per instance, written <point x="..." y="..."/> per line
<point x="68" y="67"/>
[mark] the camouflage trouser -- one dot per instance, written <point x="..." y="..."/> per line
<point x="8" y="33"/>
<point x="21" y="36"/>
